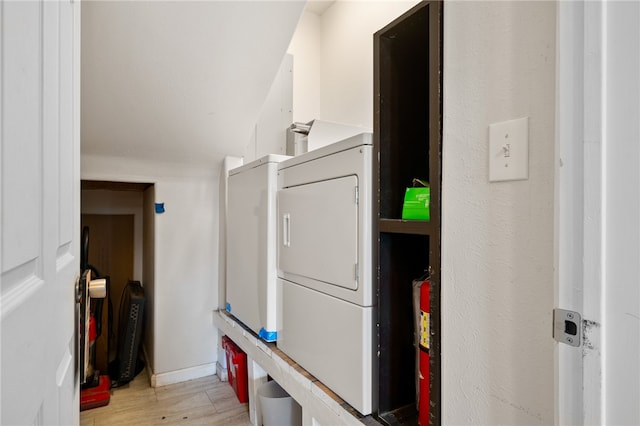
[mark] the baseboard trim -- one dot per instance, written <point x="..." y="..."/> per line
<point x="183" y="375"/>
<point x="177" y="376"/>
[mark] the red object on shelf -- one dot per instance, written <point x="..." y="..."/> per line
<point x="424" y="402"/>
<point x="96" y="396"/>
<point x="236" y="368"/>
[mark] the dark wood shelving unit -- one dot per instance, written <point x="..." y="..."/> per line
<point x="408" y="144"/>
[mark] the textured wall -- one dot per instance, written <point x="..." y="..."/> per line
<point x="305" y="48"/>
<point x="337" y="52"/>
<point x="185" y="256"/>
<point x="497" y="238"/>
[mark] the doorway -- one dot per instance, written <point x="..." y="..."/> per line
<point x="114" y="213"/>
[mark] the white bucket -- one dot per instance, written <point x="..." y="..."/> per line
<point x="278" y="408"/>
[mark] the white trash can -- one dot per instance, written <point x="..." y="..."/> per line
<point x="277" y="407"/>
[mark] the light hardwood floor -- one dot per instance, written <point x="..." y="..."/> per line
<point x="204" y="401"/>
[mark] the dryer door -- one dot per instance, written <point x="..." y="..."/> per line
<point x="319" y="231"/>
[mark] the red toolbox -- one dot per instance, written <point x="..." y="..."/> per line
<point x="236" y="368"/>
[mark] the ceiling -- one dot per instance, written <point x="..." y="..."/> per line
<point x="179" y="81"/>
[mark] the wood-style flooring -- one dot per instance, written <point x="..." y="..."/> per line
<point x="204" y="401"/>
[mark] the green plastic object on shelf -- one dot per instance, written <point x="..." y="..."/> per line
<point x="416" y="201"/>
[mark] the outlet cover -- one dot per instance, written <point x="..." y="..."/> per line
<point x="509" y="150"/>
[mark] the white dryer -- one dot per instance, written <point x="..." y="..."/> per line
<point x="325" y="267"/>
<point x="251" y="246"/>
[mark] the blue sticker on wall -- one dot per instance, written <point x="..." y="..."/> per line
<point x="159" y="207"/>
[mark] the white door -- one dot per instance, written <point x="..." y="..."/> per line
<point x="598" y="210"/>
<point x="319" y="231"/>
<point x="39" y="203"/>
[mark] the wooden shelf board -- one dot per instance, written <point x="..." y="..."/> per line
<point x="316" y="400"/>
<point x="399" y="226"/>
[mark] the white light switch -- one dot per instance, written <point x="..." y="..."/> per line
<point x="509" y="150"/>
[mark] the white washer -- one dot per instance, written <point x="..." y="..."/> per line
<point x="325" y="267"/>
<point x="251" y="246"/>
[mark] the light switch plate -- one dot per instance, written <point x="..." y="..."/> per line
<point x="509" y="150"/>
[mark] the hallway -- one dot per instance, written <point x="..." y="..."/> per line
<point x="197" y="402"/>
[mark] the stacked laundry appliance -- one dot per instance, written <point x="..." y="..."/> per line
<point x="305" y="231"/>
<point x="251" y="246"/>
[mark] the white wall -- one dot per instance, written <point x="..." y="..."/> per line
<point x="148" y="273"/>
<point x="270" y="136"/>
<point x="497" y="238"/>
<point x="119" y="202"/>
<point x="305" y="48"/>
<point x="332" y="72"/>
<point x="186" y="261"/>
<point x="186" y="273"/>
<point x="497" y="242"/>
<point x="347" y="58"/>
<point x="339" y="46"/>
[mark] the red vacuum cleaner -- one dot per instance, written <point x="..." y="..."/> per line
<point x="95" y="387"/>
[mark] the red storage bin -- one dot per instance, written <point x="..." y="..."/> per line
<point x="236" y="368"/>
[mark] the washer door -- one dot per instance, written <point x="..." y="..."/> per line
<point x="318" y="238"/>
